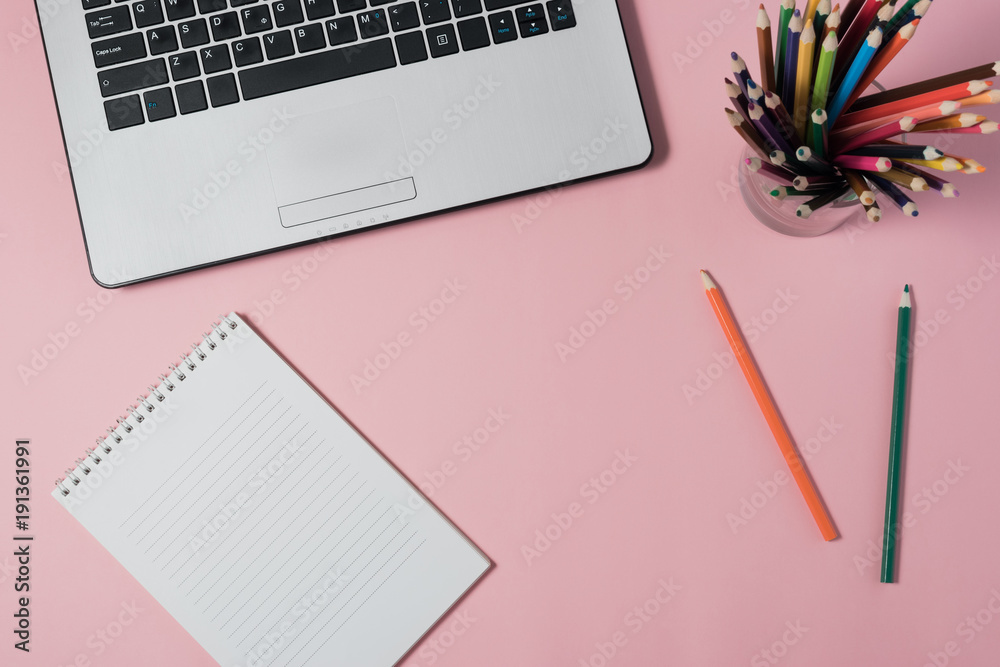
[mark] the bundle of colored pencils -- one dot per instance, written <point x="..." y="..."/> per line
<point x="819" y="139"/>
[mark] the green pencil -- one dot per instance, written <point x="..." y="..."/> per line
<point x="890" y="534"/>
<point x="784" y="16"/>
<point x="818" y="133"/>
<point x="824" y="71"/>
<point x="901" y="14"/>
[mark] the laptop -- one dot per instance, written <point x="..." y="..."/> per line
<point x="204" y="131"/>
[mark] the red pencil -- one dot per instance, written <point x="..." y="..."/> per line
<point x="863" y="163"/>
<point x="903" y="106"/>
<point x="887" y="131"/>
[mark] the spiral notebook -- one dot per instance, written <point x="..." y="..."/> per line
<point x="262" y="521"/>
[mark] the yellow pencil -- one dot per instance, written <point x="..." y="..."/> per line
<point x="810" y="13"/>
<point x="803" y="80"/>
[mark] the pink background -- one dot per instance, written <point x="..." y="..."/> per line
<point x="698" y="457"/>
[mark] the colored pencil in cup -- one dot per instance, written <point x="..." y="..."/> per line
<point x="955" y="122"/>
<point x="765" y="49"/>
<point x="946" y="163"/>
<point x="854" y="74"/>
<point x="891" y="527"/>
<point x="987" y="71"/>
<point x="784" y="18"/>
<point x="824" y="71"/>
<point x="982" y="99"/>
<point x="887" y="131"/>
<point x="748" y="133"/>
<point x="768" y="407"/>
<point x="783" y="176"/>
<point x="863" y="163"/>
<point x="906" y="180"/>
<point x="897" y="151"/>
<point x="828" y="197"/>
<point x="882" y="60"/>
<point x="767" y="129"/>
<point x="860" y="187"/>
<point x="818" y="133"/>
<point x="792" y="60"/>
<point x="780" y="113"/>
<point x="855" y="32"/>
<point x="942" y="186"/>
<point x="804" y="78"/>
<point x="899" y="198"/>
<point x="740" y="71"/>
<point x="851" y="125"/>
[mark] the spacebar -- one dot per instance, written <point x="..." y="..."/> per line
<point x="317" y="68"/>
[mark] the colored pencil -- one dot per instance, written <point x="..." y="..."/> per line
<point x="791" y="61"/>
<point x="863" y="163"/>
<point x="946" y="163"/>
<point x="897" y="196"/>
<point x="814" y="182"/>
<point x="957" y="121"/>
<point x="901" y="13"/>
<point x="804" y="78"/>
<point x="780" y="114"/>
<point x="918" y="12"/>
<point x="882" y="60"/>
<point x="832" y="23"/>
<point x="969" y="166"/>
<point x="860" y="187"/>
<point x="765" y="49"/>
<point x="784" y="18"/>
<point x="740" y="71"/>
<point x="779" y="159"/>
<point x="893" y="151"/>
<point x="767" y="129"/>
<point x="851" y="10"/>
<point x="848" y="126"/>
<point x="891" y="528"/>
<point x="825" y="199"/>
<point x="747" y="132"/>
<point x="783" y="176"/>
<point x="823" y="11"/>
<point x="856" y="32"/>
<point x="805" y="156"/>
<point x="887" y="131"/>
<point x="873" y="212"/>
<point x="809" y="14"/>
<point x="988" y="127"/>
<point x="738" y="99"/>
<point x="854" y="74"/>
<point x="907" y="180"/>
<point x="987" y="71"/>
<point x="768" y="407"/>
<point x="982" y="99"/>
<point x="755" y="93"/>
<point x="950" y="93"/>
<point x="824" y="71"/>
<point x="946" y="189"/>
<point x="784" y="191"/>
<point x="818" y="133"/>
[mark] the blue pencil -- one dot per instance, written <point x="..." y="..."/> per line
<point x="791" y="59"/>
<point x="868" y="50"/>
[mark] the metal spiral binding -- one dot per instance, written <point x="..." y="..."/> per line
<point x="93" y="456"/>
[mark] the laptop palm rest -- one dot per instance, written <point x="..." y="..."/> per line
<point x="336" y="163"/>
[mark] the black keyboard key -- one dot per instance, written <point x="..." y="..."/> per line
<point x="467" y="7"/>
<point x="93" y="4"/>
<point x="225" y="26"/>
<point x="474" y="33"/>
<point x="503" y="28"/>
<point x="351" y="5"/>
<point x="184" y="66"/>
<point x="191" y="97"/>
<point x="215" y="58"/>
<point x="159" y="104"/>
<point x="240" y="3"/>
<point x="193" y="33"/>
<point x="147" y="13"/>
<point x="162" y="40"/>
<point x="442" y="40"/>
<point x="316" y="68"/>
<point x="532" y="28"/>
<point x="179" y="9"/>
<point x="529" y="13"/>
<point x="434" y="11"/>
<point x="410" y="47"/>
<point x="209" y="6"/>
<point x="373" y="24"/>
<point x="309" y="37"/>
<point x="222" y="90"/>
<point x="319" y="9"/>
<point x="341" y="31"/>
<point x="500" y="4"/>
<point x="247" y="52"/>
<point x="109" y="21"/>
<point x="124" y="112"/>
<point x="278" y="45"/>
<point x="256" y="19"/>
<point x="287" y="12"/>
<point x="561" y="14"/>
<point x="118" y="50"/>
<point x="127" y="78"/>
<point x="404" y="16"/>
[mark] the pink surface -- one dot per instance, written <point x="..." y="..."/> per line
<point x="822" y="319"/>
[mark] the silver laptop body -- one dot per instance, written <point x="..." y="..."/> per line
<point x="275" y="169"/>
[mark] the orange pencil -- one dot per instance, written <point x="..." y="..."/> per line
<point x="769" y="409"/>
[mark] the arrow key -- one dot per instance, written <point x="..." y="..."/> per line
<point x="503" y="27"/>
<point x="532" y="28"/>
<point x="561" y="14"/>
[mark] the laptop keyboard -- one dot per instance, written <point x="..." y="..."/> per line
<point x="160" y="58"/>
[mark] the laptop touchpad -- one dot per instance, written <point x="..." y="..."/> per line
<point x="338" y="162"/>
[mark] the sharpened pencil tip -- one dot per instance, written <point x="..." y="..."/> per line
<point x="905" y="301"/>
<point x="707" y="280"/>
<point x="907" y="289"/>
